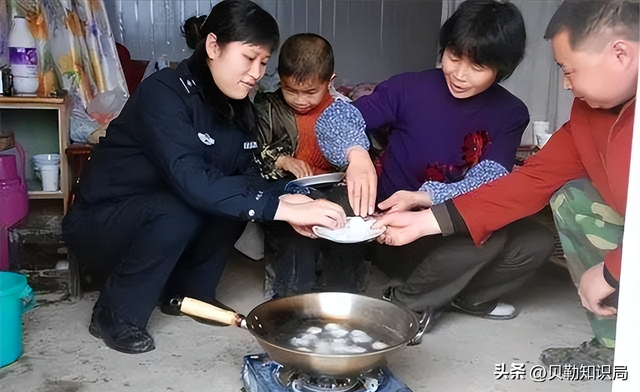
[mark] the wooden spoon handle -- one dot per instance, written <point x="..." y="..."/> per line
<point x="197" y="308"/>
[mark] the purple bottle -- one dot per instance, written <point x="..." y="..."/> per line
<point x="23" y="58"/>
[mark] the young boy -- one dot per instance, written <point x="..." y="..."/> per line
<point x="289" y="149"/>
<point x="289" y="146"/>
<point x="596" y="45"/>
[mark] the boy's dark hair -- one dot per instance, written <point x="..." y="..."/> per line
<point x="489" y="33"/>
<point x="305" y="57"/>
<point x="242" y="21"/>
<point x="582" y="19"/>
<point x="191" y="30"/>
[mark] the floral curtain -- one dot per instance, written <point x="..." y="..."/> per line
<point x="4" y="33"/>
<point x="76" y="53"/>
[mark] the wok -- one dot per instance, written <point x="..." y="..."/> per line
<point x="275" y="322"/>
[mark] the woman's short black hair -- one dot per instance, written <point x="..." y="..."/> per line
<point x="242" y="21"/>
<point x="489" y="33"/>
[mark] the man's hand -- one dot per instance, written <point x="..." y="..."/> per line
<point x="404" y="227"/>
<point x="302" y="213"/>
<point x="593" y="289"/>
<point x="406" y="201"/>
<point x="362" y="181"/>
<point x="295" y="166"/>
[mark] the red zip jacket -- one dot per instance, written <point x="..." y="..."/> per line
<point x="594" y="144"/>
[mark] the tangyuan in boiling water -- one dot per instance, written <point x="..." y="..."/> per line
<point x="358" y="336"/>
<point x="306" y="340"/>
<point x="352" y="349"/>
<point x="335" y="339"/>
<point x="314" y="330"/>
<point x="379" y="345"/>
<point x="336" y="332"/>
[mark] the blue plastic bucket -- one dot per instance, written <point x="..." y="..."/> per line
<point x="15" y="297"/>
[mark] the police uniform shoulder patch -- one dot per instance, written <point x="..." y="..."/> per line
<point x="206" y="139"/>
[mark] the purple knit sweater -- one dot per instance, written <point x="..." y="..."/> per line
<point x="436" y="137"/>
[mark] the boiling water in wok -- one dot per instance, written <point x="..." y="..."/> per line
<point x="335" y="337"/>
<point x="275" y="322"/>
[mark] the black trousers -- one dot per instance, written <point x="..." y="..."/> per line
<point x="434" y="270"/>
<point x="295" y="264"/>
<point x="146" y="246"/>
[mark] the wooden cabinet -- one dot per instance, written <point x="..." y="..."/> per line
<point x="41" y="126"/>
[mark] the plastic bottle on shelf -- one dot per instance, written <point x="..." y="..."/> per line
<point x="23" y="58"/>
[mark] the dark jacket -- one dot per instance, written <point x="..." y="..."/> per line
<point x="278" y="134"/>
<point x="177" y="133"/>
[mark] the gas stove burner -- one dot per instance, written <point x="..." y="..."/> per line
<point x="261" y="374"/>
<point x="304" y="382"/>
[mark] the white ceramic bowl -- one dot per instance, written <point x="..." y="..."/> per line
<point x="356" y="230"/>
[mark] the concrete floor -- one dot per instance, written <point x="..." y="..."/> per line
<point x="459" y="355"/>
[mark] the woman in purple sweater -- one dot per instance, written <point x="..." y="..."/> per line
<point x="438" y="134"/>
<point x="452" y="130"/>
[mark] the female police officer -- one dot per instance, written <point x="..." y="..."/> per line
<point x="167" y="192"/>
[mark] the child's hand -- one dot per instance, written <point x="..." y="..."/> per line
<point x="362" y="182"/>
<point x="295" y="166"/>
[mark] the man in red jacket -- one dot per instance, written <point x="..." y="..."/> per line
<point x="583" y="169"/>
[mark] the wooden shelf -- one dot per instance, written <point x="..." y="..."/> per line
<point x="28" y="100"/>
<point x="40" y="131"/>
<point x="46" y="195"/>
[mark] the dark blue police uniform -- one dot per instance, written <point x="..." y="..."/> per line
<point x="167" y="193"/>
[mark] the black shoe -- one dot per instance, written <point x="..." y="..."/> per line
<point x="427" y="319"/>
<point x="589" y="354"/>
<point x="493" y="310"/>
<point x="172" y="308"/>
<point x="387" y="293"/>
<point x="119" y="334"/>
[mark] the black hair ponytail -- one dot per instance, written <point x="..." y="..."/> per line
<point x="191" y="30"/>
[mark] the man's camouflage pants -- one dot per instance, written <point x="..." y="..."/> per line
<point x="588" y="230"/>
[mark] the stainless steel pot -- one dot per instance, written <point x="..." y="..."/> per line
<point x="273" y="322"/>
